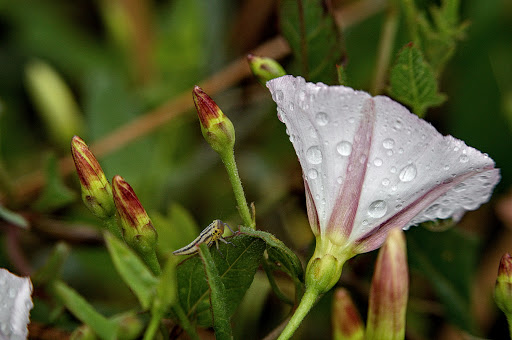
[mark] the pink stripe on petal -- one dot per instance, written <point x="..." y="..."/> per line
<point x="376" y="237"/>
<point x="345" y="208"/>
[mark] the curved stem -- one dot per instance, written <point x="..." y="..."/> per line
<point x="228" y="158"/>
<point x="152" y="328"/>
<point x="152" y="262"/>
<point x="112" y="226"/>
<point x="307" y="302"/>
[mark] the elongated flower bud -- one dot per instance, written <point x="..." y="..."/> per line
<point x="389" y="291"/>
<point x="265" y="69"/>
<point x="138" y="231"/>
<point x="96" y="190"/>
<point x="503" y="288"/>
<point x="216" y="127"/>
<point x="346" y="321"/>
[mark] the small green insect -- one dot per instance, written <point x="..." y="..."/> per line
<point x="212" y="233"/>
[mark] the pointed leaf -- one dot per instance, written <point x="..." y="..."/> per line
<point x="236" y="266"/>
<point x="82" y="310"/>
<point x="309" y="28"/>
<point x="413" y="82"/>
<point x="278" y="252"/>
<point x="448" y="261"/>
<point x="13" y="218"/>
<point x="133" y="271"/>
<point x="218" y="296"/>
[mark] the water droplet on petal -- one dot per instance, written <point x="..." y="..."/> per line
<point x="377" y="162"/>
<point x="393" y="170"/>
<point x="312" y="173"/>
<point x="385" y="182"/>
<point x="302" y="95"/>
<point x="463" y="158"/>
<point x="388" y="143"/>
<point x="408" y="173"/>
<point x="344" y="148"/>
<point x="339" y="180"/>
<point x="398" y="124"/>
<point x="291" y="107"/>
<point x="279" y="95"/>
<point x="446" y="167"/>
<point x="365" y="222"/>
<point x="389" y="152"/>
<point x="314" y="155"/>
<point x="322" y="118"/>
<point x="377" y="209"/>
<point x="460" y="187"/>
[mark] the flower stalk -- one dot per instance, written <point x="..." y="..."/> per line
<point x="219" y="132"/>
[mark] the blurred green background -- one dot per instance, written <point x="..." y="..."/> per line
<point x="123" y="59"/>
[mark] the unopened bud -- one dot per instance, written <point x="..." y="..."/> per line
<point x="54" y="102"/>
<point x="389" y="291"/>
<point x="346" y="321"/>
<point x="216" y="127"/>
<point x="503" y="288"/>
<point x="138" y="231"/>
<point x="96" y="190"/>
<point x="265" y="69"/>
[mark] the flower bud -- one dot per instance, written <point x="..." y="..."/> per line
<point x="54" y="102"/>
<point x="265" y="69"/>
<point x="216" y="127"/>
<point x="503" y="288"/>
<point x="96" y="190"/>
<point x="346" y="321"/>
<point x="138" y="231"/>
<point x="389" y="291"/>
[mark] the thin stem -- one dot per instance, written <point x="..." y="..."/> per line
<point x="152" y="262"/>
<point x="273" y="283"/>
<point x="152" y="328"/>
<point x="387" y="40"/>
<point x="184" y="322"/>
<point x="307" y="302"/>
<point x="228" y="158"/>
<point x="112" y="226"/>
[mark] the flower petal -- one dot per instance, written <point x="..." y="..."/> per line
<point x="411" y="173"/>
<point x="15" y="305"/>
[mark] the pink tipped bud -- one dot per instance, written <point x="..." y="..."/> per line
<point x="389" y="290"/>
<point x="265" y="69"/>
<point x="346" y="321"/>
<point x="96" y="190"/>
<point x="503" y="288"/>
<point x="216" y="127"/>
<point x="138" y="231"/>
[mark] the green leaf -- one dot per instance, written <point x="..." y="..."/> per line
<point x="413" y="82"/>
<point x="175" y="230"/>
<point x="83" y="311"/>
<point x="448" y="261"/>
<point x="13" y="218"/>
<point x="55" y="194"/>
<point x="218" y="296"/>
<point x="133" y="271"/>
<point x="236" y="266"/>
<point x="313" y="37"/>
<point x="278" y="252"/>
<point x="51" y="269"/>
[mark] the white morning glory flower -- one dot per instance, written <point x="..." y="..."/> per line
<point x="369" y="165"/>
<point x="15" y="305"/>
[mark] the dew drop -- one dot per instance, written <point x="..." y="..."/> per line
<point x="279" y="95"/>
<point x="314" y="155"/>
<point x="460" y="187"/>
<point x="389" y="153"/>
<point x="377" y="162"/>
<point x="344" y="148"/>
<point x="351" y="120"/>
<point x="398" y="124"/>
<point x="302" y="95"/>
<point x="377" y="209"/>
<point x="446" y="167"/>
<point x="322" y="118"/>
<point x="339" y="180"/>
<point x="388" y="143"/>
<point x="463" y="158"/>
<point x="312" y="173"/>
<point x="400" y="150"/>
<point x="393" y="170"/>
<point x="385" y="182"/>
<point x="291" y="107"/>
<point x="365" y="222"/>
<point x="408" y="173"/>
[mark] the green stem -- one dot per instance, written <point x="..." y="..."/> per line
<point x="184" y="322"/>
<point x="307" y="302"/>
<point x="152" y="328"/>
<point x="273" y="283"/>
<point x="228" y="158"/>
<point x="387" y="40"/>
<point x="112" y="226"/>
<point x="152" y="262"/>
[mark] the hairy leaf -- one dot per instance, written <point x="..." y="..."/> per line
<point x="236" y="266"/>
<point x="413" y="82"/>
